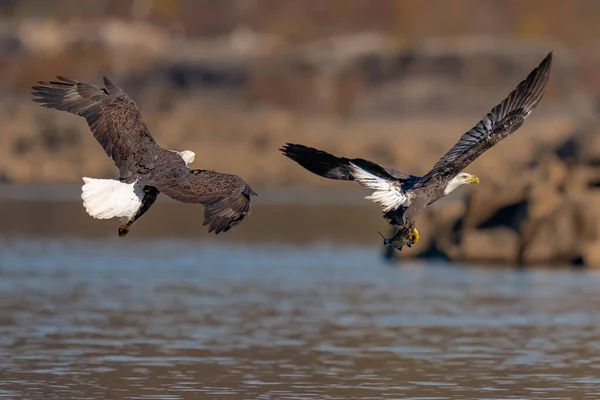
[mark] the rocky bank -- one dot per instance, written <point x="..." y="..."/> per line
<point x="549" y="215"/>
<point x="236" y="99"/>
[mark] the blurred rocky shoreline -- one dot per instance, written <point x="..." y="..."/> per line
<point x="549" y="215"/>
<point x="235" y="99"/>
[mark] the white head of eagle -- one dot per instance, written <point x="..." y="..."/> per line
<point x="463" y="178"/>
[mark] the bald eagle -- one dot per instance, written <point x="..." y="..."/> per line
<point x="403" y="197"/>
<point x="145" y="168"/>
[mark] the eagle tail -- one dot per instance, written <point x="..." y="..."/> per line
<point x="110" y="198"/>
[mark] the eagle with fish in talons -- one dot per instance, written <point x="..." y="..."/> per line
<point x="145" y="168"/>
<point x="403" y="197"/>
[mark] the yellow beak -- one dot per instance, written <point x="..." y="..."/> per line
<point x="472" y="179"/>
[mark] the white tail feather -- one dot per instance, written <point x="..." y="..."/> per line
<point x="388" y="194"/>
<point x="110" y="198"/>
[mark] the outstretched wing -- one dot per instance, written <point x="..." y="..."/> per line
<point x="503" y="120"/>
<point x="113" y="117"/>
<point x="329" y="166"/>
<point x="226" y="198"/>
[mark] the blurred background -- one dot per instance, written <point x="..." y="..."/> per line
<point x="297" y="302"/>
<point x="396" y="82"/>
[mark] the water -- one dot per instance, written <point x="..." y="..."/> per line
<point x="158" y="318"/>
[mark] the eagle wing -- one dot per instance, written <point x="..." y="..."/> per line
<point x="498" y="124"/>
<point x="329" y="166"/>
<point x="226" y="198"/>
<point x="388" y="192"/>
<point x="386" y="183"/>
<point x="112" y="116"/>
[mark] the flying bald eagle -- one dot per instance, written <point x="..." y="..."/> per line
<point x="145" y="168"/>
<point x="403" y="197"/>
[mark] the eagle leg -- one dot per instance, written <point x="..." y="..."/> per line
<point x="150" y="195"/>
<point x="124" y="229"/>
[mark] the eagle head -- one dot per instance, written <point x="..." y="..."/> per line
<point x="463" y="178"/>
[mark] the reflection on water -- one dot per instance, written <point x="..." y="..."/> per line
<point x="285" y="216"/>
<point x="139" y="319"/>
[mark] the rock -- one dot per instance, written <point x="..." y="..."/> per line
<point x="535" y="225"/>
<point x="549" y="170"/>
<point x="590" y="254"/>
<point x="554" y="238"/>
<point x="445" y="219"/>
<point x="493" y="206"/>
<point x="582" y="147"/>
<point x="588" y="202"/>
<point x="562" y="230"/>
<point x="582" y="177"/>
<point x="493" y="245"/>
<point x="541" y="200"/>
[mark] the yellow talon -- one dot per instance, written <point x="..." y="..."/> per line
<point x="123" y="230"/>
<point x="414" y="236"/>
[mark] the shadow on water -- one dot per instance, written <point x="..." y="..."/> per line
<point x="170" y="314"/>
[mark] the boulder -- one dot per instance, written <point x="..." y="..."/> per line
<point x="570" y="234"/>
<point x="493" y="206"/>
<point x="582" y="178"/>
<point x="582" y="147"/>
<point x="590" y="254"/>
<point x="533" y="225"/>
<point x="446" y="219"/>
<point x="548" y="170"/>
<point x="491" y="246"/>
<point x="541" y="200"/>
<point x="554" y="237"/>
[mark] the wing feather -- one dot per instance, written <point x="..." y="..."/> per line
<point x="112" y="116"/>
<point x="388" y="194"/>
<point x="329" y="166"/>
<point x="504" y="119"/>
<point x="226" y="197"/>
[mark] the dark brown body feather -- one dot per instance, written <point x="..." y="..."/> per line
<point x="118" y="126"/>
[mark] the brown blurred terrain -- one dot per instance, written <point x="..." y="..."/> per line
<point x="393" y="81"/>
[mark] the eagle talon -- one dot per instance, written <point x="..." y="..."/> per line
<point x="413" y="237"/>
<point x="123" y="230"/>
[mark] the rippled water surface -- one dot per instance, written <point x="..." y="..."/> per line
<point x="188" y="319"/>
